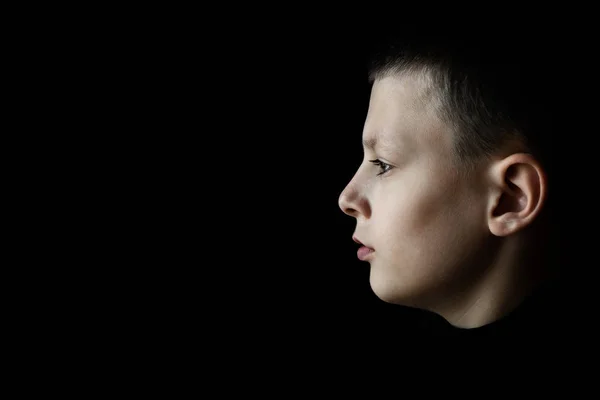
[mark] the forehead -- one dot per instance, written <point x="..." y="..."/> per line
<point x="401" y="112"/>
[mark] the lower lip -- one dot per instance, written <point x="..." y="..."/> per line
<point x="364" y="252"/>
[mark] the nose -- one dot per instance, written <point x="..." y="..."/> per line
<point x="351" y="203"/>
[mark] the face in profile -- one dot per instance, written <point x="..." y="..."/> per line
<point x="426" y="224"/>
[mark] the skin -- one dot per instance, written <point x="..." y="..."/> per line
<point x="443" y="242"/>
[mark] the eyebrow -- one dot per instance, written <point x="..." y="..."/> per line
<point x="373" y="143"/>
<point x="369" y="143"/>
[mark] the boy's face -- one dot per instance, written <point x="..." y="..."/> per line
<point x="426" y="224"/>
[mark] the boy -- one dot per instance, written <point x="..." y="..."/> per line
<point x="452" y="200"/>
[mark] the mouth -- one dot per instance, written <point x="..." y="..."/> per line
<point x="355" y="239"/>
<point x="364" y="252"/>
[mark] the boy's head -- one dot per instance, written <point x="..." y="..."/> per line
<point x="454" y="183"/>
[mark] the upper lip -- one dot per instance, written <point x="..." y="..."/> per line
<point x="359" y="242"/>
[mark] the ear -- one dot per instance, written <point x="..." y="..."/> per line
<point x="518" y="191"/>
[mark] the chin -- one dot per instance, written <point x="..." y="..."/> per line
<point x="386" y="291"/>
<point x="393" y="292"/>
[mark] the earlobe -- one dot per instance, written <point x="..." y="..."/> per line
<point x="518" y="190"/>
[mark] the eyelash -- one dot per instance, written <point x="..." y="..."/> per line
<point x="380" y="164"/>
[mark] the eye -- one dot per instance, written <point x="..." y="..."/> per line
<point x="381" y="165"/>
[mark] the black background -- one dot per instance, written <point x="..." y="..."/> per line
<point x="244" y="140"/>
<point x="194" y="219"/>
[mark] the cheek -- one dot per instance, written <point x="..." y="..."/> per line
<point x="425" y="233"/>
<point x="422" y="219"/>
<point x="415" y="209"/>
<point x="421" y="249"/>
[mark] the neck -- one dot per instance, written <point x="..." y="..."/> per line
<point x="500" y="287"/>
